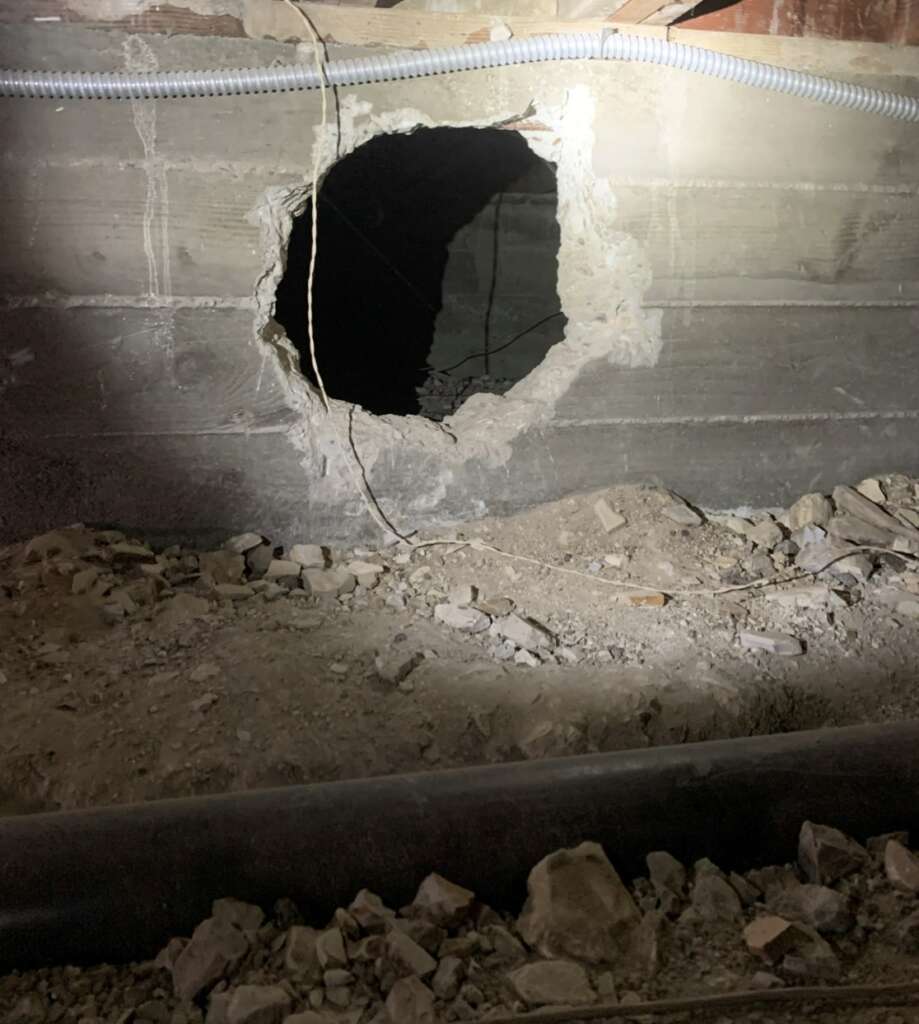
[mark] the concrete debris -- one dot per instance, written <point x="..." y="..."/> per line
<point x="826" y="854"/>
<point x="810" y="510"/>
<point x="258" y="1004"/>
<point x="805" y="597"/>
<point x="407" y="956"/>
<point x="901" y="866"/>
<point x="821" y="555"/>
<point x="442" y="902"/>
<point x="680" y="513"/>
<point x="526" y="658"/>
<point x="309" y="556"/>
<point x="234" y="591"/>
<point x="822" y="908"/>
<point x="215" y="947"/>
<point x="329" y="583"/>
<point x="330" y="949"/>
<point x="748" y="893"/>
<point x="222" y="566"/>
<point x="872" y="490"/>
<point x="394" y="668"/>
<point x="410" y="1001"/>
<point x="765" y="534"/>
<point x="463" y="596"/>
<point x="370" y="912"/>
<point x="525" y="633"/>
<point x="666" y="872"/>
<point x="552" y="983"/>
<point x="859" y="566"/>
<point x="848" y="500"/>
<point x="578" y="907"/>
<point x="281" y="568"/>
<point x="856" y="531"/>
<point x="466" y="620"/>
<point x="762" y="981"/>
<point x="772" y="642"/>
<point x="713" y="899"/>
<point x="243" y="542"/>
<point x="450" y="974"/>
<point x="300" y="956"/>
<point x="770" y="938"/>
<point x="609" y="520"/>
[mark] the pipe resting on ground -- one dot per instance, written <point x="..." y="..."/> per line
<point x="417" y="64"/>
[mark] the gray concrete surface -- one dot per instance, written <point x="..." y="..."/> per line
<point x="738" y="271"/>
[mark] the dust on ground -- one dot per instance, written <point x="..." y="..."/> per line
<point x="128" y="674"/>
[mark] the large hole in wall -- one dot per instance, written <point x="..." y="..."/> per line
<point x="436" y="271"/>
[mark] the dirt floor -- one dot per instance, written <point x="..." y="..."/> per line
<point x="128" y="674"/>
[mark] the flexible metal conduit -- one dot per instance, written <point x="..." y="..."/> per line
<point x="417" y="64"/>
<point x="115" y="883"/>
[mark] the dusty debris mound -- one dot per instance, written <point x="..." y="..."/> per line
<point x="843" y="914"/>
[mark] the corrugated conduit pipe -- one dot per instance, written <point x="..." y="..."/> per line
<point x="421" y="63"/>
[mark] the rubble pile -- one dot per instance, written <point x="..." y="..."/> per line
<point x="441" y="394"/>
<point x="842" y="914"/>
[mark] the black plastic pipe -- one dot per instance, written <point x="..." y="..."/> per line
<point x="114" y="884"/>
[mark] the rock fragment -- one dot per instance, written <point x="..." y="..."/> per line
<point x="822" y="908"/>
<point x="901" y="866"/>
<point x="609" y="520"/>
<point x="410" y="1001"/>
<point x="857" y="531"/>
<point x="258" y="1004"/>
<point x="330" y="949"/>
<point x="449" y="976"/>
<point x="222" y="566"/>
<point x="243" y="542"/>
<point x="407" y="956"/>
<point x="666" y="872"/>
<point x="300" y="955"/>
<point x="680" y="513"/>
<point x="525" y="633"/>
<point x="369" y="911"/>
<point x="309" y="556"/>
<point x="394" y="668"/>
<point x="765" y="534"/>
<point x="214" y="948"/>
<point x="826" y="854"/>
<point x="772" y="642"/>
<point x="552" y="983"/>
<point x="329" y="582"/>
<point x="442" y="902"/>
<point x="466" y="620"/>
<point x="771" y="937"/>
<point x="282" y="568"/>
<point x="810" y="510"/>
<point x="713" y="899"/>
<point x="577" y="906"/>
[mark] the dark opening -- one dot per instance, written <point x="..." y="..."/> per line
<point x="436" y="270"/>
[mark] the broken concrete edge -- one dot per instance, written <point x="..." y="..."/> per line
<point x="349" y="449"/>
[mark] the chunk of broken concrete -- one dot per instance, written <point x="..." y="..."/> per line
<point x="234" y="591"/>
<point x="328" y="583"/>
<point x="258" y="1004"/>
<point x="450" y="974"/>
<point x="442" y="902"/>
<point x="772" y="642"/>
<point x="214" y="948"/>
<point x="243" y="542"/>
<point x="901" y="866"/>
<point x="370" y="912"/>
<point x="770" y="938"/>
<point x="857" y="531"/>
<point x="466" y="620"/>
<point x="765" y="534"/>
<point x="310" y="556"/>
<point x="394" y="668"/>
<point x="821" y="555"/>
<point x="609" y="520"/>
<point x="826" y="854"/>
<point x="810" y="510"/>
<point x="367" y="574"/>
<point x="410" y="1001"/>
<point x="300" y="955"/>
<point x="713" y="899"/>
<point x="823" y="909"/>
<point x="282" y="568"/>
<point x="330" y="949"/>
<point x="849" y="501"/>
<point x="406" y="956"/>
<point x="680" y="513"/>
<point x="552" y="983"/>
<point x="666" y="872"/>
<point x="222" y="566"/>
<point x="247" y="917"/>
<point x="577" y="906"/>
<point x="525" y="633"/>
<point x="872" y="490"/>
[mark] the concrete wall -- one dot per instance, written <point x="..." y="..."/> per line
<point x="738" y="270"/>
<point x="500" y="279"/>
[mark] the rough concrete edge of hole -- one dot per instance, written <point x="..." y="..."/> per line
<point x="595" y="261"/>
